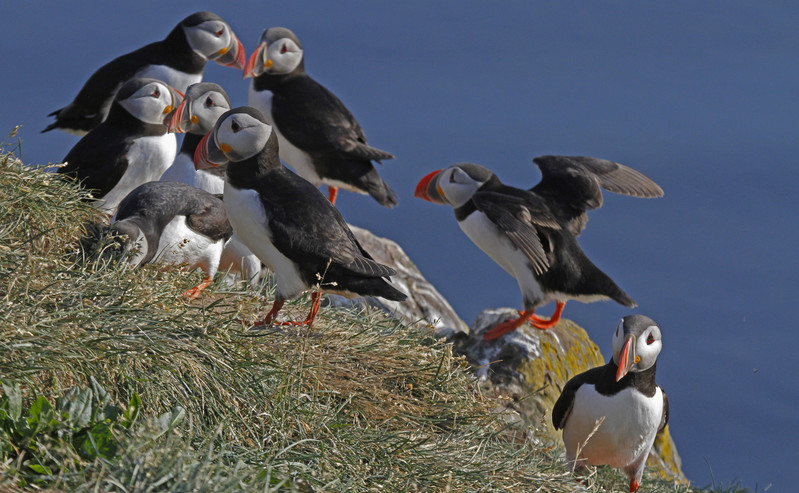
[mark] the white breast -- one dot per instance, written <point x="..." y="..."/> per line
<point x="182" y="170"/>
<point x="248" y="218"/>
<point x="294" y="157"/>
<point x="175" y="78"/>
<point x="627" y="433"/>
<point x="238" y="261"/>
<point x="491" y="240"/>
<point x="148" y="158"/>
<point x="179" y="245"/>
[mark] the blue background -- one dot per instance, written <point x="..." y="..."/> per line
<point x="700" y="96"/>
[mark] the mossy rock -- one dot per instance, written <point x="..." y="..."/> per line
<point x="531" y="366"/>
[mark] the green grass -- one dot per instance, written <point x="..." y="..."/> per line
<point x="358" y="402"/>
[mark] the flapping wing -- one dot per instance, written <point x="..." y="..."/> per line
<point x="518" y="217"/>
<point x="579" y="180"/>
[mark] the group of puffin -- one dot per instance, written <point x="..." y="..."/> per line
<point x="225" y="202"/>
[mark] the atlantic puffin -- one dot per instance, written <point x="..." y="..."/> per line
<point x="202" y="105"/>
<point x="319" y="138"/>
<point x="532" y="234"/>
<point x="130" y="147"/>
<point x="610" y="414"/>
<point x="176" y="224"/>
<point x="285" y="220"/>
<point x="179" y="60"/>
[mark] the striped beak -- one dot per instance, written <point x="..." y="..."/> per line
<point x="233" y="55"/>
<point x="255" y="65"/>
<point x="207" y="154"/>
<point x="627" y="357"/>
<point x="427" y="189"/>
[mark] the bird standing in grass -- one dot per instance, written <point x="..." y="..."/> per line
<point x="178" y="60"/>
<point x="610" y="414"/>
<point x="285" y="220"/>
<point x="202" y="105"/>
<point x="532" y="234"/>
<point x="176" y="224"/>
<point x="319" y="138"/>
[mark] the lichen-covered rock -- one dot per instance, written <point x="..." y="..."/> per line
<point x="424" y="305"/>
<point x="531" y="366"/>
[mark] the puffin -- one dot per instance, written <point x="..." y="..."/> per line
<point x="130" y="147"/>
<point x="532" y="234"/>
<point x="610" y="414"/>
<point x="175" y="224"/>
<point x="286" y="221"/>
<point x="318" y="136"/>
<point x="202" y="105"/>
<point x="179" y="60"/>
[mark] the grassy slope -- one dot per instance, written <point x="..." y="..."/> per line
<point x="357" y="402"/>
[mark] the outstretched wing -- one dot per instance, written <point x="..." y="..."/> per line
<point x="578" y="180"/>
<point x="518" y="216"/>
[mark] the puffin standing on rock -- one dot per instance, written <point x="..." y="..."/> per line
<point x="610" y="414"/>
<point x="532" y="234"/>
<point x="130" y="147"/>
<point x="179" y="60"/>
<point x="286" y="221"/>
<point x="174" y="223"/>
<point x="319" y="138"/>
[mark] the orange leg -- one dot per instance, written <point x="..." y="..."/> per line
<point x="316" y="300"/>
<point x="508" y="326"/>
<point x="540" y="323"/>
<point x="634" y="485"/>
<point x="332" y="193"/>
<point x="194" y="292"/>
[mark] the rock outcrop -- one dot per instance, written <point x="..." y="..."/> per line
<point x="424" y="305"/>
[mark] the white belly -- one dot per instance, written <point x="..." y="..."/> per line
<point x="175" y="78"/>
<point x="491" y="240"/>
<point x="179" y="245"/>
<point x="182" y="170"/>
<point x="627" y="433"/>
<point x="240" y="262"/>
<point x="148" y="158"/>
<point x="297" y="159"/>
<point x="246" y="215"/>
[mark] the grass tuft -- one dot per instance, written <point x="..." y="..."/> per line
<point x="357" y="402"/>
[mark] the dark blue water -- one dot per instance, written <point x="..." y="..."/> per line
<point x="700" y="96"/>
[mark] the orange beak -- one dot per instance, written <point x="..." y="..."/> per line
<point x="427" y="189"/>
<point x="627" y="357"/>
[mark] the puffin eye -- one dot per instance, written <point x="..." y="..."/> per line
<point x="220" y="33"/>
<point x="650" y="339"/>
<point x="235" y="127"/>
<point x="209" y="102"/>
<point x="156" y="93"/>
<point x="284" y="48"/>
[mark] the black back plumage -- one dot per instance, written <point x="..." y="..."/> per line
<point x="308" y="229"/>
<point x="316" y="121"/>
<point x="87" y="110"/>
<point x="99" y="159"/>
<point x="151" y="206"/>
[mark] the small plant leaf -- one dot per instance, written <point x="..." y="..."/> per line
<point x="132" y="412"/>
<point x="14" y="395"/>
<point x="169" y="420"/>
